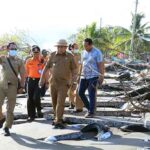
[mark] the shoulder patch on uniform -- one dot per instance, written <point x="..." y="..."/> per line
<point x="69" y="54"/>
<point x="52" y="54"/>
<point x="29" y="59"/>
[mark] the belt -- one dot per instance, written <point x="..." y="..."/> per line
<point x="34" y="78"/>
<point x="9" y="83"/>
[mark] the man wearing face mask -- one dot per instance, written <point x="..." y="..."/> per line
<point x="11" y="66"/>
<point x="74" y="98"/>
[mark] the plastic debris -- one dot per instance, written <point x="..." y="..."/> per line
<point x="75" y="126"/>
<point x="104" y="135"/>
<point x="146" y="140"/>
<point x="69" y="136"/>
<point x="51" y="139"/>
<point x="47" y="116"/>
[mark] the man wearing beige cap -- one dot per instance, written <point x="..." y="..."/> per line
<point x="62" y="66"/>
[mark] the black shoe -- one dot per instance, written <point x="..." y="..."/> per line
<point x="59" y="126"/>
<point x="53" y="123"/>
<point x="89" y="115"/>
<point x="71" y="106"/>
<point x="6" y="132"/>
<point x="39" y="115"/>
<point x="1" y="122"/>
<point x="78" y="111"/>
<point x="30" y="119"/>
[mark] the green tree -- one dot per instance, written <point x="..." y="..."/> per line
<point x="141" y="36"/>
<point x="102" y="38"/>
<point x="21" y="38"/>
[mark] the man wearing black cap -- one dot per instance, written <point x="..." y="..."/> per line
<point x="34" y="67"/>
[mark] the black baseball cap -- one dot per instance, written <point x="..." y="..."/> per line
<point x="35" y="49"/>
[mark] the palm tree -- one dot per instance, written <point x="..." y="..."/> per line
<point x="102" y="38"/>
<point x="90" y="31"/>
<point x="141" y="36"/>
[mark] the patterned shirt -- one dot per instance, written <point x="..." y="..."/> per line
<point x="89" y="63"/>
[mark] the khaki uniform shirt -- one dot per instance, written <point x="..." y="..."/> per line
<point x="6" y="73"/>
<point x="77" y="58"/>
<point x="62" y="66"/>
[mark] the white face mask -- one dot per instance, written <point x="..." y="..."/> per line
<point x="12" y="52"/>
<point x="75" y="51"/>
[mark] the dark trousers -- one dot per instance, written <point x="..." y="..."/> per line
<point x="89" y="84"/>
<point x="26" y="84"/>
<point x="43" y="90"/>
<point x="34" y="101"/>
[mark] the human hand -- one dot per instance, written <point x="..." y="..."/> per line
<point x="20" y="91"/>
<point x="100" y="80"/>
<point x="41" y="83"/>
<point x="47" y="85"/>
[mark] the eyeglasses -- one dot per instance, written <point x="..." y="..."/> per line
<point x="36" y="52"/>
<point x="61" y="46"/>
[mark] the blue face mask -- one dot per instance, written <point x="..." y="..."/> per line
<point x="75" y="51"/>
<point x="12" y="52"/>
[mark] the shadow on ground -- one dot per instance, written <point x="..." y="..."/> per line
<point x="29" y="142"/>
<point x="119" y="140"/>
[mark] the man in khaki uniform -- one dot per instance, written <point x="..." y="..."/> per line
<point x="74" y="98"/>
<point x="9" y="83"/>
<point x="2" y="118"/>
<point x="62" y="65"/>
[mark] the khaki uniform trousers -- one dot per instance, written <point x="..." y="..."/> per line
<point x="10" y="93"/>
<point x="1" y="113"/>
<point x="58" y="93"/>
<point x="75" y="99"/>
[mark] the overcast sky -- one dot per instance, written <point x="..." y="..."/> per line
<point x="49" y="20"/>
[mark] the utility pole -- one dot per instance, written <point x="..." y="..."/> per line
<point x="100" y="24"/>
<point x="132" y="47"/>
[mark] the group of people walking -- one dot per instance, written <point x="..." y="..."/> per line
<point x="65" y="72"/>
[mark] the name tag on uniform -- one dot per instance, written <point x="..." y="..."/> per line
<point x="54" y="64"/>
<point x="40" y="71"/>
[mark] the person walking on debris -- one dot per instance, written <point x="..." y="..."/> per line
<point x="92" y="73"/>
<point x="2" y="118"/>
<point x="26" y="79"/>
<point x="11" y="66"/>
<point x="62" y="66"/>
<point x="45" y="56"/>
<point x="73" y="96"/>
<point x="71" y="105"/>
<point x="34" y="68"/>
